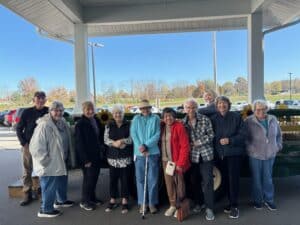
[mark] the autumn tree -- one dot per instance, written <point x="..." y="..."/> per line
<point x="228" y="89"/>
<point x="26" y="89"/>
<point x="241" y="86"/>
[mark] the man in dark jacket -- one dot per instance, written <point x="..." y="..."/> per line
<point x="25" y="130"/>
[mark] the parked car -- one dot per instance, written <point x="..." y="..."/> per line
<point x="16" y="117"/>
<point x="2" y="115"/>
<point x="8" y="118"/>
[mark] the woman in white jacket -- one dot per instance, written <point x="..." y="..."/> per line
<point x="49" y="148"/>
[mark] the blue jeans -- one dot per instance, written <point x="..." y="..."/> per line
<point x="262" y="183"/>
<point x="53" y="188"/>
<point x="152" y="179"/>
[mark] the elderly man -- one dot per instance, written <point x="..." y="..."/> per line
<point x="25" y="130"/>
<point x="201" y="136"/>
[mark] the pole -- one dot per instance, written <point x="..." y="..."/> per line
<point x="215" y="61"/>
<point x="94" y="79"/>
<point x="290" y="85"/>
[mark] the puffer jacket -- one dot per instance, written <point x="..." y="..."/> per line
<point x="46" y="148"/>
<point x="261" y="144"/>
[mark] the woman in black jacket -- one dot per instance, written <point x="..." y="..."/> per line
<point x="119" y="157"/>
<point x="229" y="144"/>
<point x="89" y="144"/>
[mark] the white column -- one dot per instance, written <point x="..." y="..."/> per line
<point x="81" y="66"/>
<point x="255" y="57"/>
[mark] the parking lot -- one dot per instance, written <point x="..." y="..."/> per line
<point x="287" y="199"/>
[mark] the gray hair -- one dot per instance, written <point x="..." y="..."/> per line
<point x="211" y="93"/>
<point x="260" y="102"/>
<point x="191" y="100"/>
<point x="56" y="105"/>
<point x="117" y="108"/>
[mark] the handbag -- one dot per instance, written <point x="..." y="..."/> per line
<point x="182" y="203"/>
<point x="170" y="168"/>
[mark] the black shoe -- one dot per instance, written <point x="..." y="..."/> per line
<point x="97" y="202"/>
<point x="35" y="195"/>
<point x="125" y="208"/>
<point x="227" y="209"/>
<point x="52" y="214"/>
<point x="234" y="213"/>
<point x="65" y="204"/>
<point x="87" y="206"/>
<point x="27" y="199"/>
<point x="111" y="206"/>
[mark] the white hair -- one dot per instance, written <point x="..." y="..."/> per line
<point x="117" y="108"/>
<point x="191" y="100"/>
<point x="260" y="102"/>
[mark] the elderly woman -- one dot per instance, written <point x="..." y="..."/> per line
<point x="119" y="157"/>
<point x="229" y="143"/>
<point x="264" y="141"/>
<point x="201" y="137"/>
<point x="175" y="148"/>
<point x="145" y="133"/>
<point x="89" y="144"/>
<point x="49" y="147"/>
<point x="209" y="97"/>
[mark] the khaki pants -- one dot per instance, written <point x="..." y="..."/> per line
<point x="27" y="170"/>
<point x="170" y="185"/>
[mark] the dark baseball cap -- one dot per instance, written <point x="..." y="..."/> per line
<point x="40" y="94"/>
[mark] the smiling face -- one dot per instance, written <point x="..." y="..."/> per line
<point x="118" y="116"/>
<point x="89" y="111"/>
<point x="39" y="102"/>
<point x="260" y="111"/>
<point x="222" y="107"/>
<point x="190" y="108"/>
<point x="168" y="119"/>
<point x="145" y="111"/>
<point x="57" y="114"/>
<point x="208" y="98"/>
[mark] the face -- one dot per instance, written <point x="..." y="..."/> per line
<point x="260" y="111"/>
<point x="57" y="114"/>
<point x="145" y="111"/>
<point x="168" y="119"/>
<point x="118" y="116"/>
<point x="39" y="102"/>
<point x="190" y="108"/>
<point x="89" y="112"/>
<point x="208" y="98"/>
<point x="222" y="107"/>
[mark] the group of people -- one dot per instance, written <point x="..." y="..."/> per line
<point x="185" y="150"/>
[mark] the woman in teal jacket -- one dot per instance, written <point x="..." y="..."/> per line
<point x="145" y="133"/>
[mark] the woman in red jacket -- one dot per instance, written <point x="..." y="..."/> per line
<point x="175" y="150"/>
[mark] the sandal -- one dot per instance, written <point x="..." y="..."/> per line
<point x="125" y="208"/>
<point x="111" y="206"/>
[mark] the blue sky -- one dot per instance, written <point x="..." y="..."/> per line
<point x="169" y="58"/>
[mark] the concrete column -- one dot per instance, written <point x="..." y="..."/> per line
<point x="255" y="57"/>
<point x="81" y="66"/>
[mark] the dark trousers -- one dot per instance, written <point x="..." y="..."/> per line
<point x="116" y="174"/>
<point x="201" y="181"/>
<point x="230" y="167"/>
<point x="90" y="178"/>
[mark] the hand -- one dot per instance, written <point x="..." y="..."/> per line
<point x="224" y="141"/>
<point x="117" y="144"/>
<point x="179" y="169"/>
<point x="142" y="148"/>
<point x="88" y="165"/>
<point x="122" y="146"/>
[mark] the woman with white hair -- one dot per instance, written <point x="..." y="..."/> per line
<point x="263" y="142"/>
<point x="49" y="147"/>
<point x="119" y="157"/>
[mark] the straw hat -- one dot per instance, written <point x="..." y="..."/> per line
<point x="145" y="104"/>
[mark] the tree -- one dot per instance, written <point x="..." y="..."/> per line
<point x="228" y="89"/>
<point x="241" y="86"/>
<point x="60" y="94"/>
<point x="275" y="87"/>
<point x="26" y="88"/>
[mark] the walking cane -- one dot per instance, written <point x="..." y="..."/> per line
<point x="145" y="187"/>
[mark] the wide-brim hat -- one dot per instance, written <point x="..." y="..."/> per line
<point x="145" y="104"/>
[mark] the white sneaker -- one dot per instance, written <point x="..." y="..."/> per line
<point x="175" y="214"/>
<point x="170" y="211"/>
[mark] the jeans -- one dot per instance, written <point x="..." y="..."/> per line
<point x="53" y="188"/>
<point x="90" y="178"/>
<point x="152" y="179"/>
<point x="262" y="183"/>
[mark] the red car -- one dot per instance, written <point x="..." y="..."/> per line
<point x="8" y="118"/>
<point x="16" y="117"/>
